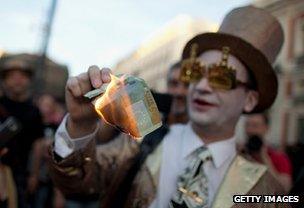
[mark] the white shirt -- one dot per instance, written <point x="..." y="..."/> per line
<point x="180" y="142"/>
<point x="64" y="145"/>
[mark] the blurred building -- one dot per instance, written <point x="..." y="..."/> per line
<point x="52" y="79"/>
<point x="154" y="56"/>
<point x="1" y="52"/>
<point x="287" y="114"/>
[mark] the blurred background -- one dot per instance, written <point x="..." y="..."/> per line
<point x="144" y="37"/>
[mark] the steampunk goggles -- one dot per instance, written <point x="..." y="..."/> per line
<point x="220" y="76"/>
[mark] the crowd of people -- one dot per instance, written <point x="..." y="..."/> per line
<point x="28" y="125"/>
<point x="53" y="158"/>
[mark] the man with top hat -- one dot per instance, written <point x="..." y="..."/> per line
<point x="195" y="165"/>
<point x="16" y="74"/>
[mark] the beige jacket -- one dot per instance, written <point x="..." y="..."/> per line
<point x="99" y="169"/>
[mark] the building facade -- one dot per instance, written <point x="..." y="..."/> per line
<point x="154" y="56"/>
<point x="287" y="114"/>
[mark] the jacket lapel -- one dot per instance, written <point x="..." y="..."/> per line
<point x="153" y="163"/>
<point x="241" y="177"/>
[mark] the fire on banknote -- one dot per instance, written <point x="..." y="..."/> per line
<point x="127" y="103"/>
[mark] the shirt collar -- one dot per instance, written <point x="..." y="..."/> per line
<point x="220" y="150"/>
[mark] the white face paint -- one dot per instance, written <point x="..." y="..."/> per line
<point x="217" y="108"/>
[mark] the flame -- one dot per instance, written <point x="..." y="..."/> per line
<point x="115" y="107"/>
<point x="101" y="100"/>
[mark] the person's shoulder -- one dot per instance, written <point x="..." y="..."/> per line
<point x="245" y="160"/>
<point x="277" y="153"/>
<point x="281" y="161"/>
<point x="265" y="182"/>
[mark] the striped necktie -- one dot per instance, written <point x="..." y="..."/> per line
<point x="192" y="184"/>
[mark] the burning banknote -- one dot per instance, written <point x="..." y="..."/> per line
<point x="127" y="103"/>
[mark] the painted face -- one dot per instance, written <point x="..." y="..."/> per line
<point x="215" y="107"/>
<point x="179" y="91"/>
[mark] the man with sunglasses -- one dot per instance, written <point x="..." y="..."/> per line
<point x="195" y="165"/>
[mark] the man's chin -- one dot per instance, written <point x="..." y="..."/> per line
<point x="201" y="118"/>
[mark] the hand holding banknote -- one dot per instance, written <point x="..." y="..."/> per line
<point x="127" y="104"/>
<point x="83" y="117"/>
<point x="123" y="101"/>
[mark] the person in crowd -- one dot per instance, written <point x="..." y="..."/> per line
<point x="192" y="165"/>
<point x="16" y="75"/>
<point x="178" y="90"/>
<point x="52" y="111"/>
<point x="278" y="163"/>
<point x="41" y="187"/>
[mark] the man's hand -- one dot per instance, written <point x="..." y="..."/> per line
<point x="83" y="117"/>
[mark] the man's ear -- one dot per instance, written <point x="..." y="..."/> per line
<point x="251" y="101"/>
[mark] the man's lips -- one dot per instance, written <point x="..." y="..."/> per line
<point x="201" y="104"/>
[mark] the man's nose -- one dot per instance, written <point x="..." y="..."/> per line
<point x="203" y="85"/>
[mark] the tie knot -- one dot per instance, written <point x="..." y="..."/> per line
<point x="203" y="153"/>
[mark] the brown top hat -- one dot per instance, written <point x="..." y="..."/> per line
<point x="255" y="37"/>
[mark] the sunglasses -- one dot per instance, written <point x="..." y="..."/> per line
<point x="220" y="76"/>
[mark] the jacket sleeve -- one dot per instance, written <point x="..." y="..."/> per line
<point x="90" y="170"/>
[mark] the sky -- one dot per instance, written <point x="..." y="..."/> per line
<point x="96" y="31"/>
